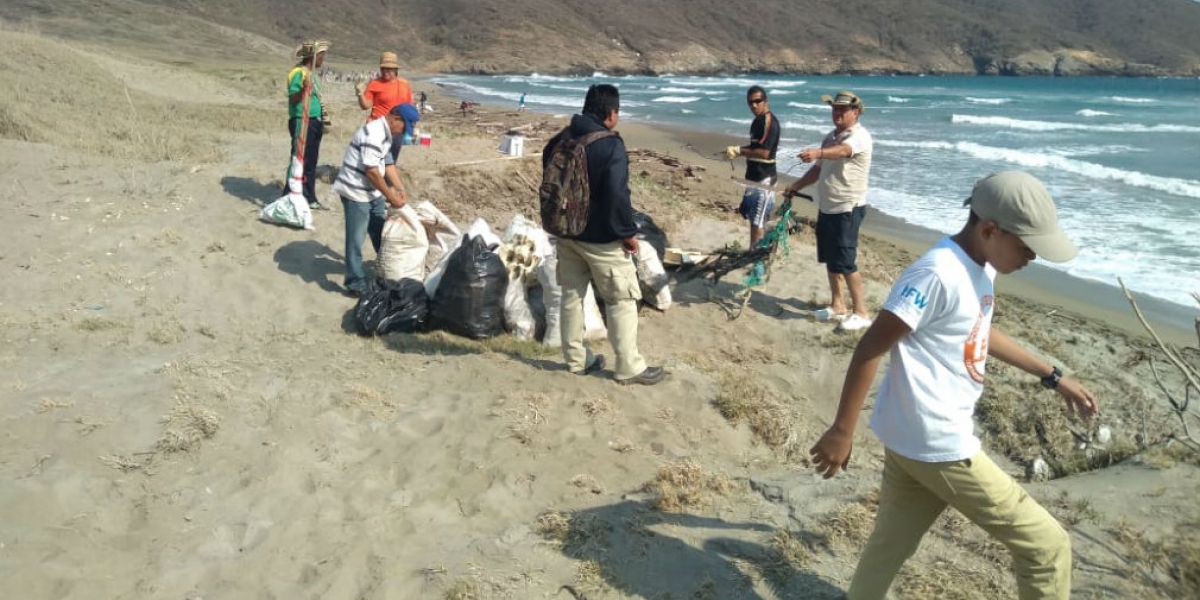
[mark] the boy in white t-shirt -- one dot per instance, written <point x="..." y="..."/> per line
<point x="937" y="325"/>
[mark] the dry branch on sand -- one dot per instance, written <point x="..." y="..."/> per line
<point x="1179" y="405"/>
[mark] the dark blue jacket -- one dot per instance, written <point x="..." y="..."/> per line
<point x="611" y="216"/>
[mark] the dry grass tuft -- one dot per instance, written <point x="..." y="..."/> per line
<point x="589" y="577"/>
<point x="587" y="482"/>
<point x="1072" y="511"/>
<point x="599" y="406"/>
<point x="577" y="535"/>
<point x="187" y="426"/>
<point x="948" y="580"/>
<point x="464" y="588"/>
<point x="526" y="418"/>
<point x="742" y="399"/>
<point x="554" y="526"/>
<point x="840" y="342"/>
<point x="1176" y="555"/>
<point x="368" y="398"/>
<point x="789" y="549"/>
<point x="97" y="324"/>
<point x="850" y="526"/>
<point x="440" y="343"/>
<point x="786" y="555"/>
<point x="685" y="485"/>
<point x="167" y="333"/>
<point x="48" y="404"/>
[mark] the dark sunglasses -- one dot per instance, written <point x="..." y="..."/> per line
<point x="754" y="101"/>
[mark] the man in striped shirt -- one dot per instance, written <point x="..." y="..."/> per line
<point x="368" y="183"/>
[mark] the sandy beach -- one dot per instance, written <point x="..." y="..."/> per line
<point x="189" y="412"/>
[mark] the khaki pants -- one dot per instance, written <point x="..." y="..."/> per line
<point x="616" y="283"/>
<point x="915" y="493"/>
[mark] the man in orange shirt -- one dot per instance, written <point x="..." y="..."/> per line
<point x="384" y="92"/>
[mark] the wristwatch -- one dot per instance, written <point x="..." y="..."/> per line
<point x="1051" y="381"/>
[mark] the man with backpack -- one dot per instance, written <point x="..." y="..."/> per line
<point x="585" y="202"/>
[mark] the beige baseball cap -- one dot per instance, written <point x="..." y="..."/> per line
<point x="1020" y="205"/>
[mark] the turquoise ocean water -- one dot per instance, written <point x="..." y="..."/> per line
<point x="1120" y="155"/>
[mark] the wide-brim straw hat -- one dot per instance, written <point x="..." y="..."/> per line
<point x="844" y="98"/>
<point x="312" y="48"/>
<point x="389" y="60"/>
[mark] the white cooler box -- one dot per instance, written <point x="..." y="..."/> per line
<point x="512" y="145"/>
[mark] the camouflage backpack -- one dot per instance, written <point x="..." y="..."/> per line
<point x="565" y="193"/>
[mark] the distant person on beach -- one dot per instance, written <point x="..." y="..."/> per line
<point x="301" y="82"/>
<point x="423" y="106"/>
<point x="368" y="183"/>
<point x="842" y="165"/>
<point x="602" y="252"/>
<point x="521" y="104"/>
<point x="388" y="90"/>
<point x="465" y="106"/>
<point x="936" y="325"/>
<point x="758" y="204"/>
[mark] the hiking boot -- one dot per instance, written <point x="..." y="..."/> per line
<point x="597" y="364"/>
<point x="316" y="205"/>
<point x="650" y="376"/>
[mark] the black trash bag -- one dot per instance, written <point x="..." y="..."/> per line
<point x="649" y="232"/>
<point x="470" y="297"/>
<point x="392" y="307"/>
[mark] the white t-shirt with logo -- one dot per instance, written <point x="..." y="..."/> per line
<point x="926" y="403"/>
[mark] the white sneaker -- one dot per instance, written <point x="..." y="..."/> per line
<point x="855" y="323"/>
<point x="826" y="314"/>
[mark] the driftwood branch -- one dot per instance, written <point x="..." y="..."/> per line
<point x="1190" y="374"/>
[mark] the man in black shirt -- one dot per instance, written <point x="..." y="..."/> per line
<point x="758" y="204"/>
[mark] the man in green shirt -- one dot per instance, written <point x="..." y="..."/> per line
<point x="305" y="120"/>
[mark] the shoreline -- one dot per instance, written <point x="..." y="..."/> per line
<point x="1085" y="298"/>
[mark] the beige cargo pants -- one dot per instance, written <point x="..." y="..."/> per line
<point x="616" y="283"/>
<point x="915" y="493"/>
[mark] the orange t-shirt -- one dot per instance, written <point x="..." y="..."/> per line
<point x="386" y="94"/>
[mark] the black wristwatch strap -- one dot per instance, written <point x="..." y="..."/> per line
<point x="1051" y="381"/>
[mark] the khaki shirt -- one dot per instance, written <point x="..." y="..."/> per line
<point x="842" y="185"/>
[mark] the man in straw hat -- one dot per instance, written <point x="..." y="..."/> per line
<point x="385" y="91"/>
<point x="937" y="326"/>
<point x="840" y="170"/>
<point x="306" y="113"/>
<point x="368" y="183"/>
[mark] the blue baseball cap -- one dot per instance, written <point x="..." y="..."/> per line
<point x="409" y="113"/>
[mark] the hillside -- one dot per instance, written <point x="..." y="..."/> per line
<point x="1012" y="37"/>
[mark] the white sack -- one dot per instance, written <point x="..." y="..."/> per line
<point x="404" y="245"/>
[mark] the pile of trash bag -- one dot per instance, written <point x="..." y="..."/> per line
<point x="469" y="299"/>
<point x="480" y="284"/>
<point x="392" y="307"/>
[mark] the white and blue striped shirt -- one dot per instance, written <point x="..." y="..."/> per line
<point x="369" y="149"/>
